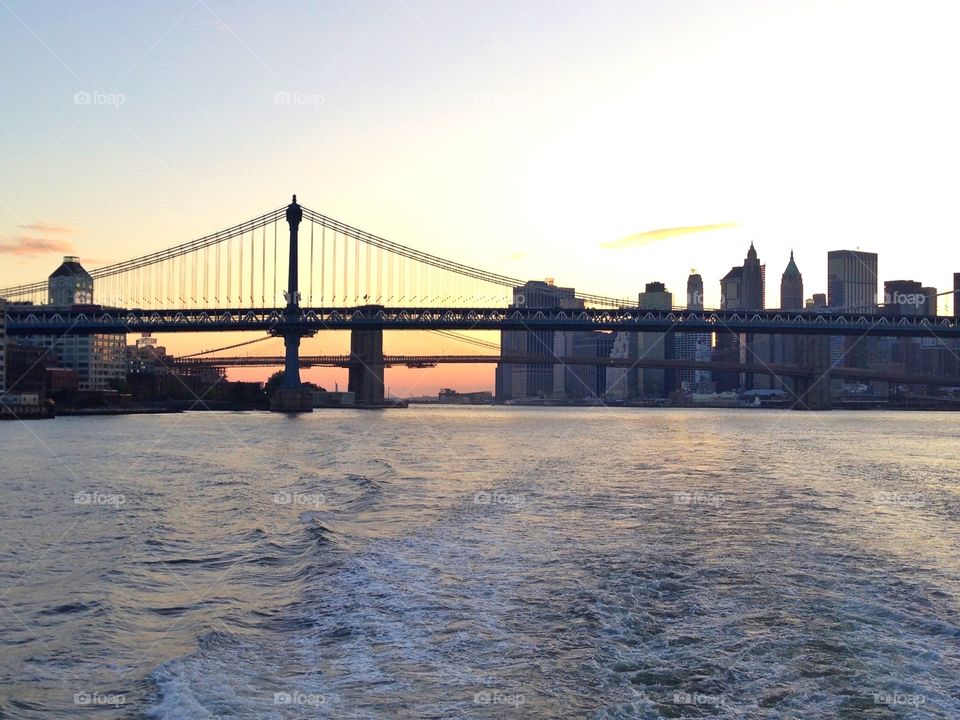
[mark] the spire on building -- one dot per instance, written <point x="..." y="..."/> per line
<point x="792" y="268"/>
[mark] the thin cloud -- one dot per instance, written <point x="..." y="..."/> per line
<point x="653" y="236"/>
<point x="24" y="246"/>
<point x="45" y="227"/>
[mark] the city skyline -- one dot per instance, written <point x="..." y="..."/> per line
<point x="853" y="286"/>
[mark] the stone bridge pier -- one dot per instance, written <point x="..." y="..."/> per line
<point x="813" y="391"/>
<point x="366" y="367"/>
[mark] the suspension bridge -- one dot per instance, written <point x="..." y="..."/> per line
<point x="322" y="274"/>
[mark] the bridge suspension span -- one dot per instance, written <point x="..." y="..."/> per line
<point x="246" y="266"/>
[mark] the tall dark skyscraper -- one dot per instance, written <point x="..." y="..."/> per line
<point x="754" y="281"/>
<point x="791" y="287"/>
<point x="694" y="291"/>
<point x="852" y="280"/>
<point x="693" y="346"/>
<point x="743" y="287"/>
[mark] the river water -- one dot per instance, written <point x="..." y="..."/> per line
<point x="442" y="562"/>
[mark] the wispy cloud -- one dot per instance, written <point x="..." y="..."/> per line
<point x="652" y="236"/>
<point x="46" y="227"/>
<point x="23" y="245"/>
<point x="41" y="238"/>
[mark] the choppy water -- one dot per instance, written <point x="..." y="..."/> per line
<point x="481" y="562"/>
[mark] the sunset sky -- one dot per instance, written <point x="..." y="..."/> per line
<point x="534" y="139"/>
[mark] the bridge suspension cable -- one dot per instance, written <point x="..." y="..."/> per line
<point x="232" y="268"/>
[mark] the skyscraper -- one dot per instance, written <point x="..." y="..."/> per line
<point x="536" y="380"/>
<point x="694" y="291"/>
<point x="693" y="346"/>
<point x="851" y="285"/>
<point x="654" y="382"/>
<point x="754" y="281"/>
<point x="743" y="288"/>
<point x="852" y="280"/>
<point x="731" y="289"/>
<point x="791" y="287"/>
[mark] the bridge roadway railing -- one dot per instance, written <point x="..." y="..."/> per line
<point x="24" y="320"/>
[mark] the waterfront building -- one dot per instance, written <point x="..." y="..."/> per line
<point x="146" y="356"/>
<point x="100" y="359"/>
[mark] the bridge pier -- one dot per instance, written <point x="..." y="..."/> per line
<point x="366" y="367"/>
<point x="813" y="391"/>
<point x="292" y="396"/>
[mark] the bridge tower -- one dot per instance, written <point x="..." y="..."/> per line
<point x="292" y="396"/>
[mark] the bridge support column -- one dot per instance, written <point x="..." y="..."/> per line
<point x="366" y="367"/>
<point x="292" y="396"/>
<point x="813" y="391"/>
